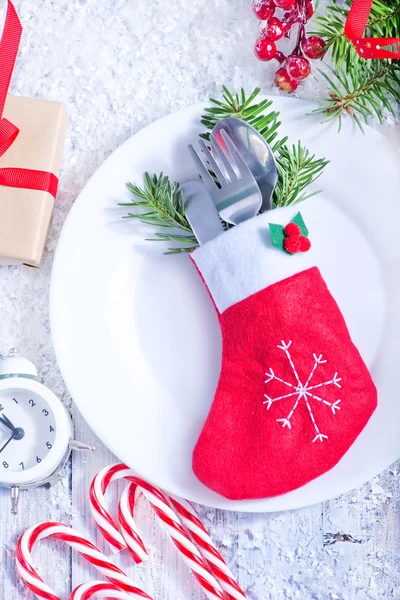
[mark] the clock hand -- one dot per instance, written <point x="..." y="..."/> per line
<point x="6" y="421"/>
<point x="18" y="432"/>
<point x="6" y="444"/>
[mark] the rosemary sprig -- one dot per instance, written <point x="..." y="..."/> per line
<point x="160" y="202"/>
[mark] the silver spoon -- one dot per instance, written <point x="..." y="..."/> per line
<point x="256" y="153"/>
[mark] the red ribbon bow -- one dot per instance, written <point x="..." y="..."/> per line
<point x="30" y="179"/>
<point x="355" y="27"/>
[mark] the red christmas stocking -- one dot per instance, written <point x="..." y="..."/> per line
<point x="294" y="392"/>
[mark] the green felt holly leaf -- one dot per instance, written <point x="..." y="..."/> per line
<point x="277" y="235"/>
<point x="298" y="219"/>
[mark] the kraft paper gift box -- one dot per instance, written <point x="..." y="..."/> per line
<point x="32" y="137"/>
<point x="24" y="213"/>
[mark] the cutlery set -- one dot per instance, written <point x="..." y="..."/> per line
<point x="238" y="176"/>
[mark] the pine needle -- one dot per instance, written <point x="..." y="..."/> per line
<point x="363" y="92"/>
<point x="160" y="202"/>
<point x="254" y="113"/>
<point x="361" y="88"/>
<point x="297" y="167"/>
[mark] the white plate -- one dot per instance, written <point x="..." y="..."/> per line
<point x="136" y="335"/>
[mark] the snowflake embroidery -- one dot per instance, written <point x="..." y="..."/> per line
<point x="303" y="391"/>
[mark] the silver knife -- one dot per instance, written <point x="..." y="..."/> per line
<point x="201" y="211"/>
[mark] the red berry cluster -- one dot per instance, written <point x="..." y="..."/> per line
<point x="296" y="66"/>
<point x="294" y="241"/>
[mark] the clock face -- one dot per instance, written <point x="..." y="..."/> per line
<point x="27" y="430"/>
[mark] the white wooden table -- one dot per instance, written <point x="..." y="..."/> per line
<point x="118" y="66"/>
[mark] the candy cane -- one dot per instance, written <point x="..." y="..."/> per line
<point x="104" y="521"/>
<point x="99" y="589"/>
<point x="128" y="527"/>
<point x="200" y="536"/>
<point x="88" y="550"/>
<point x="167" y="518"/>
<point x="172" y="525"/>
<point x="195" y="527"/>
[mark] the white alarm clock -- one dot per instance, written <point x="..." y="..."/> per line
<point x="35" y="428"/>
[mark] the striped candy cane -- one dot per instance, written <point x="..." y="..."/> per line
<point x="99" y="589"/>
<point x="167" y="518"/>
<point x="127" y="524"/>
<point x="88" y="550"/>
<point x="117" y="542"/>
<point x="200" y="536"/>
<point x="104" y="521"/>
<point x="174" y="528"/>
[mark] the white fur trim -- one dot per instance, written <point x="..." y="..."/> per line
<point x="242" y="261"/>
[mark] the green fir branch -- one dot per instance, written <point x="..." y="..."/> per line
<point x="297" y="167"/>
<point x="361" y="88"/>
<point x="240" y="107"/>
<point x="297" y="170"/>
<point x="363" y="92"/>
<point x="160" y="203"/>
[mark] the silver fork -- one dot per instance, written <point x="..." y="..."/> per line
<point x="239" y="197"/>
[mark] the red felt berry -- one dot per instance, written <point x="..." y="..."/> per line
<point x="298" y="67"/>
<point x="274" y="29"/>
<point x="292" y="244"/>
<point x="263" y="9"/>
<point x="285" y="4"/>
<point x="310" y="10"/>
<point x="284" y="82"/>
<point x="292" y="230"/>
<point x="314" y="47"/>
<point x="265" y="49"/>
<point x="305" y="244"/>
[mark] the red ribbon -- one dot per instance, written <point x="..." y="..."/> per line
<point x="355" y="27"/>
<point x="30" y="179"/>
